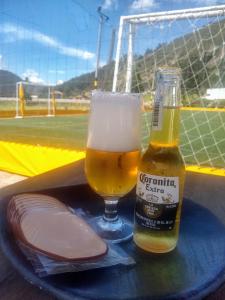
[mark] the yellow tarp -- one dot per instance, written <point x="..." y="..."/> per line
<point x="206" y="170"/>
<point x="204" y="109"/>
<point x="30" y="160"/>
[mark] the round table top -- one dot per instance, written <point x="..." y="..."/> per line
<point x="12" y="284"/>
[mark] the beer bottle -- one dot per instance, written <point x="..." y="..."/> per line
<point x="161" y="172"/>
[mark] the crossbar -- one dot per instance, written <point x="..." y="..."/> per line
<point x="176" y="14"/>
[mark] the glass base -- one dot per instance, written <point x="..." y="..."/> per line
<point x="114" y="232"/>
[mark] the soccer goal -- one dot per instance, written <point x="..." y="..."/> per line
<point x="34" y="99"/>
<point x="41" y="100"/>
<point x="194" y="41"/>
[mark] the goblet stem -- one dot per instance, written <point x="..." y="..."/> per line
<point x="111" y="212"/>
<point x="110" y="226"/>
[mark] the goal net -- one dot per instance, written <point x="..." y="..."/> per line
<point x="194" y="41"/>
<point x="34" y="99"/>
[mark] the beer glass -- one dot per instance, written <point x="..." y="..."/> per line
<point x="112" y="155"/>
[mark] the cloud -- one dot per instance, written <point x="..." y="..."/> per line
<point x="108" y="4"/>
<point x="59" y="82"/>
<point x="14" y="33"/>
<point x="33" y="76"/>
<point x="143" y="5"/>
<point x="102" y="63"/>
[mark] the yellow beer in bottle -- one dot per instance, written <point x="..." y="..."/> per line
<point x="161" y="173"/>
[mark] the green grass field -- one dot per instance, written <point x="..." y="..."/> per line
<point x="202" y="134"/>
<point x="10" y="105"/>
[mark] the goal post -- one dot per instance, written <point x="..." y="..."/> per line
<point x="194" y="41"/>
<point x="148" y="19"/>
<point x="33" y="99"/>
<point x="19" y="100"/>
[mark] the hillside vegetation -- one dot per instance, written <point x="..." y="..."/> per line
<point x="8" y="82"/>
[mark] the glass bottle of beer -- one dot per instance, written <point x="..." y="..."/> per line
<point x="161" y="173"/>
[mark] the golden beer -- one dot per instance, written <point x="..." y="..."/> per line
<point x="112" y="156"/>
<point x="111" y="173"/>
<point x="169" y="134"/>
<point x="161" y="173"/>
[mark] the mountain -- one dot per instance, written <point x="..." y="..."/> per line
<point x="8" y="82"/>
<point x="82" y="85"/>
<point x="200" y="55"/>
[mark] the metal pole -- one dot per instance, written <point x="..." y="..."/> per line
<point x="49" y="101"/>
<point x="129" y="60"/>
<point x="118" y="49"/>
<point x="98" y="51"/>
<point x="111" y="49"/>
<point x="102" y="18"/>
<point x="17" y="100"/>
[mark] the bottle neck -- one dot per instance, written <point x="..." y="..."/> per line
<point x="168" y="133"/>
<point x="166" y="112"/>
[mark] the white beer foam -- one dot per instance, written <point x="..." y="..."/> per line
<point x="115" y="122"/>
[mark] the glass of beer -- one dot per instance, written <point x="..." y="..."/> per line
<point x="112" y="155"/>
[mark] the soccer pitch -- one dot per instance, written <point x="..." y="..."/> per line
<point x="202" y="134"/>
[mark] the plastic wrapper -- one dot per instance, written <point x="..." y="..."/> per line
<point x="45" y="266"/>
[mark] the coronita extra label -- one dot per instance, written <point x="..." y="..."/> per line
<point x="157" y="201"/>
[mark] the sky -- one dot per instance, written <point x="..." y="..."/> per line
<point x="52" y="41"/>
